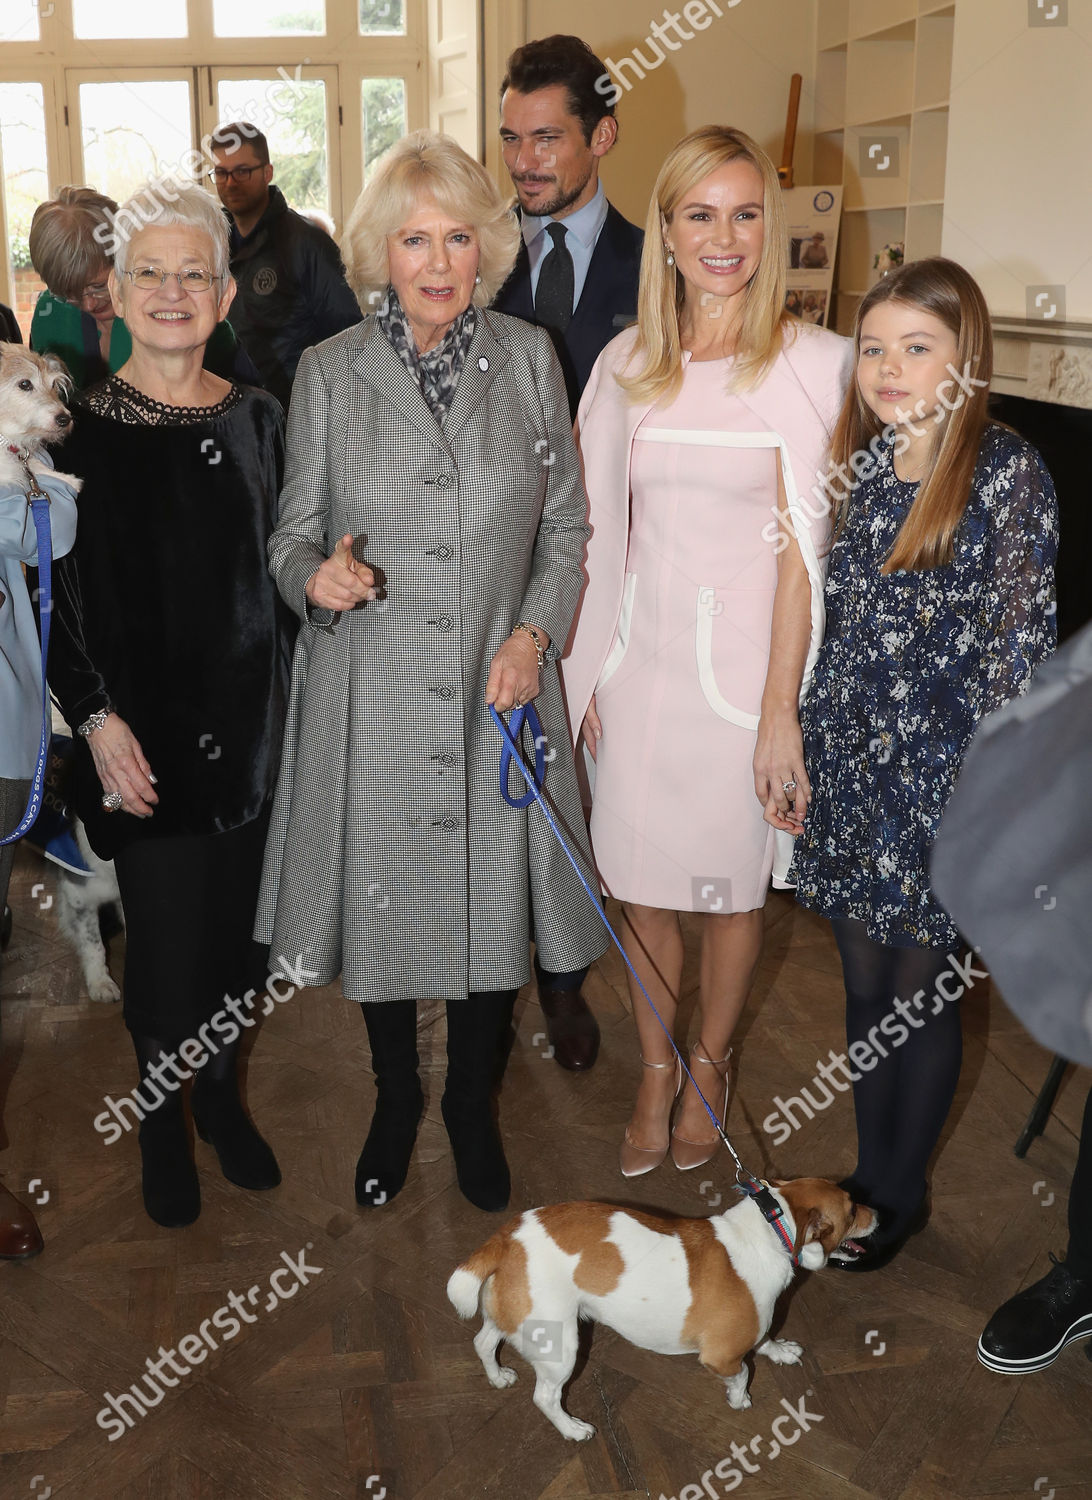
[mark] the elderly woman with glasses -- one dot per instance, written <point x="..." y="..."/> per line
<point x="169" y="658"/>
<point x="430" y="539"/>
<point x="72" y="239"/>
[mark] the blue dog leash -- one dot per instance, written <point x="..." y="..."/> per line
<point x="38" y="501"/>
<point x="746" y="1182"/>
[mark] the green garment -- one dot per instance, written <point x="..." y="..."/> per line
<point x="59" y="328"/>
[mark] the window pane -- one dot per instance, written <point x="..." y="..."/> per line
<point x="133" y="131"/>
<point x="18" y="21"/>
<point x="383" y="117"/>
<point x="269" y="17"/>
<point x="379" y="17"/>
<point x="22" y="145"/>
<point x="129" y="18"/>
<point x="292" y="115"/>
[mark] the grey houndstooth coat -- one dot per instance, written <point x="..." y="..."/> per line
<point x="392" y="858"/>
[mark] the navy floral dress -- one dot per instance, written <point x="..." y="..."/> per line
<point x="910" y="663"/>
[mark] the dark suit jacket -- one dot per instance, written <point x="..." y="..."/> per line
<point x="608" y="301"/>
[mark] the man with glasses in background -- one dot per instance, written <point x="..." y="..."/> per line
<point x="292" y="288"/>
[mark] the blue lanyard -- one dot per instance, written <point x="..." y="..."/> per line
<point x="38" y="501"/>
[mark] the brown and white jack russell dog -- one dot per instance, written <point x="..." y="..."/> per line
<point x="673" y="1285"/>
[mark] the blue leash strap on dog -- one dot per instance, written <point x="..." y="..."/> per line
<point x="510" y="752"/>
<point x="38" y="502"/>
<point x="746" y="1182"/>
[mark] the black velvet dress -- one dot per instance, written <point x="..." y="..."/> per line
<point x="165" y="611"/>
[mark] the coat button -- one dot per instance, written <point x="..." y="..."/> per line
<point x="445" y="622"/>
<point x="443" y="691"/>
<point x="444" y="480"/>
<point x="443" y="552"/>
<point x="450" y="823"/>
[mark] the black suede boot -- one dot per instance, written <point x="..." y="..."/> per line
<point x="172" y="1194"/>
<point x="477" y="1029"/>
<point x="220" y="1119"/>
<point x="384" y="1161"/>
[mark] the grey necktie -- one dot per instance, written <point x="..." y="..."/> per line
<point x="556" y="281"/>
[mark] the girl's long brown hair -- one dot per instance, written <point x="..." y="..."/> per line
<point x="950" y="293"/>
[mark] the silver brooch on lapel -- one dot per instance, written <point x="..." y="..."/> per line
<point x="483" y="363"/>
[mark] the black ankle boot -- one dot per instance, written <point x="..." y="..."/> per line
<point x="172" y="1194"/>
<point x="384" y="1162"/>
<point x="476" y="1031"/>
<point x="480" y="1164"/>
<point x="220" y="1119"/>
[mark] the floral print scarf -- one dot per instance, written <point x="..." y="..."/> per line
<point x="437" y="372"/>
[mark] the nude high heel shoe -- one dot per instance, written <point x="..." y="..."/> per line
<point x="687" y="1154"/>
<point x="635" y="1161"/>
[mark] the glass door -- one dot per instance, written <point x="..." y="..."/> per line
<point x="297" y="109"/>
<point x="130" y="125"/>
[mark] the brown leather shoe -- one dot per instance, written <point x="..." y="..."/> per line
<point x="20" y="1237"/>
<point x="571" y="1027"/>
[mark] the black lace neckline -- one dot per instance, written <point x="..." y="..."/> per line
<point x="117" y="399"/>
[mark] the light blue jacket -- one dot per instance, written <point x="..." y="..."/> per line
<point x="20" y="653"/>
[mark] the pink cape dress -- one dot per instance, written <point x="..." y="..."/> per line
<point x="673" y="630"/>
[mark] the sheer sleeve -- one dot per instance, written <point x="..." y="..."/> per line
<point x="1019" y="604"/>
<point x="74" y="680"/>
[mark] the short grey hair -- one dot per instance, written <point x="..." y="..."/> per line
<point x="163" y="202"/>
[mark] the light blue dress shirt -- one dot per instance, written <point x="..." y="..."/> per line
<point x="582" y="230"/>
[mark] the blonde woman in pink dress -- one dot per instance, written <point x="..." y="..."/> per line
<point x="703" y="432"/>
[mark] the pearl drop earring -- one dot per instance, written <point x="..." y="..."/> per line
<point x="670" y="258"/>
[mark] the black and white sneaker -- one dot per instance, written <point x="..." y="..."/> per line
<point x="1030" y="1330"/>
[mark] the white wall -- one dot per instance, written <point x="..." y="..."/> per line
<point x="736" y="72"/>
<point x="1018" y="195"/>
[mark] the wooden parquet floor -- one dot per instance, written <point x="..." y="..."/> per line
<point x="364" y="1384"/>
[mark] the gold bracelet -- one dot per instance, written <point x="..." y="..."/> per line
<point x="536" y="638"/>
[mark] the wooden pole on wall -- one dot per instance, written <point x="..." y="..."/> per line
<point x="784" y="171"/>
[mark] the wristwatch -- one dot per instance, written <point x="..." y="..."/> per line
<point x="95" y="721"/>
<point x="536" y="638"/>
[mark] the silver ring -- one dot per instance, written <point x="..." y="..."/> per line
<point x="788" y="786"/>
<point x="113" y="801"/>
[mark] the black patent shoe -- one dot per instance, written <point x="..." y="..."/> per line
<point x="172" y="1194"/>
<point x="872" y="1254"/>
<point x="1030" y="1330"/>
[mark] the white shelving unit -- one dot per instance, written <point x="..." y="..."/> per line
<point x="882" y="79"/>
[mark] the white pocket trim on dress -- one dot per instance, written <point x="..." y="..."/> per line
<point x="703" y="648"/>
<point x="621" y="632"/>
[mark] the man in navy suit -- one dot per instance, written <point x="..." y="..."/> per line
<point x="577" y="273"/>
<point x="556" y="127"/>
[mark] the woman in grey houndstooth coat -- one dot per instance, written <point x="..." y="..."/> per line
<point x="431" y="537"/>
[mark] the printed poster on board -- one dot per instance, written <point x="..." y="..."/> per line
<point x="814" y="214"/>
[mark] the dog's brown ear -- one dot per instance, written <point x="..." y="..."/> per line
<point x="814" y="1227"/>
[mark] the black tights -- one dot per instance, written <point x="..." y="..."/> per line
<point x="902" y="1102"/>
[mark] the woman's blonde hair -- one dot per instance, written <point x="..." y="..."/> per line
<point x="64" y="249"/>
<point x="945" y="289"/>
<point x="655" y="369"/>
<point x="427" y="167"/>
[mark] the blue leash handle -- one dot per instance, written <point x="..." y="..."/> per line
<point x="510" y="752"/>
<point x="39" y="507"/>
